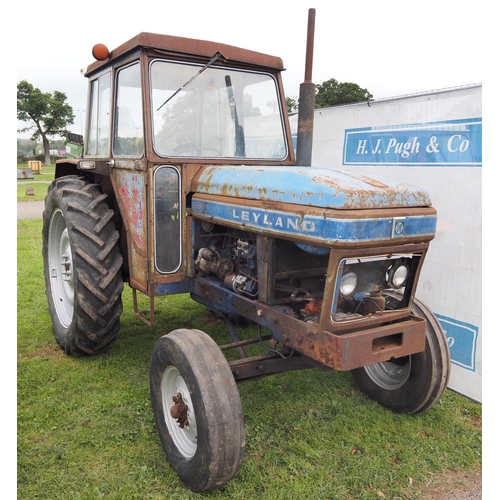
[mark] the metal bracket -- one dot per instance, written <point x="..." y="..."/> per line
<point x="151" y="321"/>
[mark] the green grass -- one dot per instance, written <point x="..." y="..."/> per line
<point x="46" y="174"/>
<point x="39" y="187"/>
<point x="39" y="183"/>
<point x="86" y="429"/>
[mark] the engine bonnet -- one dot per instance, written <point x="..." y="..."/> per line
<point x="308" y="186"/>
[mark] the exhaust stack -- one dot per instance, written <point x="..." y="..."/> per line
<point x="306" y="101"/>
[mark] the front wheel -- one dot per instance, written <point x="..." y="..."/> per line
<point x="197" y="409"/>
<point x="411" y="384"/>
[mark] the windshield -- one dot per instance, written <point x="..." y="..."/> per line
<point x="221" y="113"/>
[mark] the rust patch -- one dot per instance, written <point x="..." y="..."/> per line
<point x="179" y="411"/>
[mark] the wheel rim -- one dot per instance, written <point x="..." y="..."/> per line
<point x="185" y="439"/>
<point x="389" y="375"/>
<point x="60" y="259"/>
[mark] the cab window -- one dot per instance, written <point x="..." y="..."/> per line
<point x="128" y="137"/>
<point x="99" y="122"/>
<point x="167" y="225"/>
<point x="215" y="112"/>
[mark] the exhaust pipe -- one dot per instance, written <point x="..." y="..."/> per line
<point x="307" y="95"/>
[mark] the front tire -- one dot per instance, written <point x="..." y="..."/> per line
<point x="197" y="409"/>
<point x="411" y="384"/>
<point x="82" y="266"/>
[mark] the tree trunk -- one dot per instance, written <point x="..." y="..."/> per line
<point x="46" y="150"/>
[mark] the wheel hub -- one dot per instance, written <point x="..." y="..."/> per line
<point x="179" y="411"/>
<point x="66" y="267"/>
<point x="60" y="261"/>
<point x="390" y="375"/>
<point x="183" y="430"/>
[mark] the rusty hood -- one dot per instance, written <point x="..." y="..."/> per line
<point x="309" y="186"/>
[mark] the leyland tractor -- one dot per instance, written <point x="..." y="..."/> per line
<point x="189" y="183"/>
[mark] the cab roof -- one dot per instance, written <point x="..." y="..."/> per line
<point x="176" y="46"/>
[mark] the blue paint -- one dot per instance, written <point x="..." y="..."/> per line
<point x="313" y="250"/>
<point x="322" y="230"/>
<point x="174" y="288"/>
<point x="311" y="187"/>
<point x="447" y="143"/>
<point x="462" y="339"/>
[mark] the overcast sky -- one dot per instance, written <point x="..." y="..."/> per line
<point x="389" y="47"/>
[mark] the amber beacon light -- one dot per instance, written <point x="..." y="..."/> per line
<point x="100" y="52"/>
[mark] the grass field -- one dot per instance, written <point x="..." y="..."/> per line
<point x="39" y="183"/>
<point x="86" y="430"/>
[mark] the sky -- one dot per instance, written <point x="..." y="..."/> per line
<point x="388" y="47"/>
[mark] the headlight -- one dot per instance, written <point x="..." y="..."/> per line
<point x="348" y="284"/>
<point x="398" y="275"/>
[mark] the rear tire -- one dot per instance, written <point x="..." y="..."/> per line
<point x="411" y="384"/>
<point x="206" y="445"/>
<point x="82" y="266"/>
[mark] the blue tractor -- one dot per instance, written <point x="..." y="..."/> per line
<point x="189" y="183"/>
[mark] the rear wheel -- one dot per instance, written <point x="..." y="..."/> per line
<point x="197" y="409"/>
<point x="82" y="266"/>
<point x="411" y="384"/>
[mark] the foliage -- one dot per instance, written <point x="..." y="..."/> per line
<point x="25" y="148"/>
<point x="46" y="115"/>
<point x="291" y="104"/>
<point x="333" y="93"/>
<point x="86" y="430"/>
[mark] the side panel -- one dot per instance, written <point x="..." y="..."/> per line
<point x="433" y="141"/>
<point x="130" y="188"/>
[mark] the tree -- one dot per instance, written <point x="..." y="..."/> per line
<point x="44" y="113"/>
<point x="291" y="104"/>
<point x="332" y="93"/>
